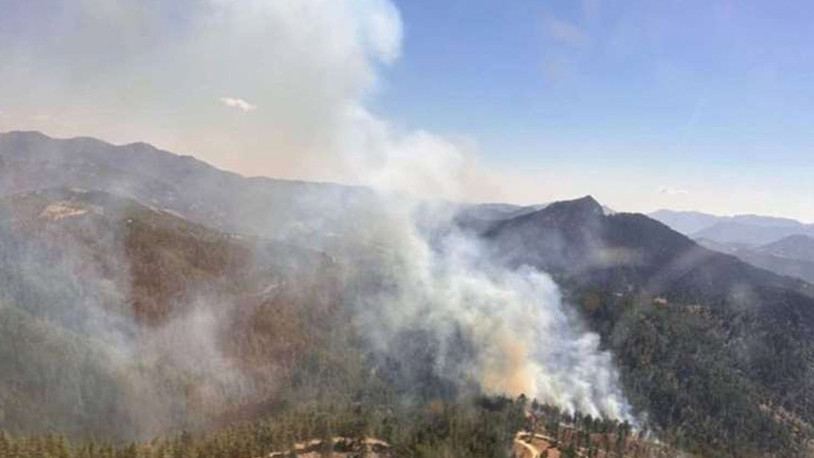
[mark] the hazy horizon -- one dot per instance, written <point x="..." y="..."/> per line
<point x="553" y="101"/>
<point x="519" y="203"/>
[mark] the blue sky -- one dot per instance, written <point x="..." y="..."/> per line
<point x="728" y="79"/>
<point x="705" y="105"/>
<point x="674" y="88"/>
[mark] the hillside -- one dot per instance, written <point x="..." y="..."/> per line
<point x="730" y="229"/>
<point x="144" y="293"/>
<point x="750" y="231"/>
<point x="112" y="313"/>
<point x="782" y="265"/>
<point x="686" y="222"/>
<point x="715" y="350"/>
<point x="792" y="256"/>
<point x="752" y="235"/>
<point x="179" y="184"/>
<point x="798" y="247"/>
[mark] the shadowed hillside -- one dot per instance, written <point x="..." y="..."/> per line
<point x="124" y="320"/>
<point x="715" y="350"/>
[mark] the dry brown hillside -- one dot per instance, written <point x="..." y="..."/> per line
<point x="150" y="279"/>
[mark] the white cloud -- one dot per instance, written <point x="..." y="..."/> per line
<point x="666" y="190"/>
<point x="240" y="104"/>
<point x="566" y="33"/>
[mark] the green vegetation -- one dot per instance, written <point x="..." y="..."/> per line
<point x="720" y="365"/>
<point x="715" y="355"/>
<point x="479" y="429"/>
<point x="696" y="372"/>
<point x="549" y="429"/>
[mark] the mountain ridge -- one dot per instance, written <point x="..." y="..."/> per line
<point x="716" y="353"/>
<point x="747" y="229"/>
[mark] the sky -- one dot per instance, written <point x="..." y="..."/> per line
<point x="683" y="104"/>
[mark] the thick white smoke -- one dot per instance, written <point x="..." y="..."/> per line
<point x="310" y="67"/>
<point x="525" y="340"/>
<point x="519" y="337"/>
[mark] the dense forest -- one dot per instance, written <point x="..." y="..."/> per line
<point x="716" y="354"/>
<point x="483" y="427"/>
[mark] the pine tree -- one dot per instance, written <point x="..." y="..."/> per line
<point x="131" y="451"/>
<point x="570" y="452"/>
<point x="5" y="445"/>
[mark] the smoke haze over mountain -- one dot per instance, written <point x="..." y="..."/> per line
<point x="326" y="248"/>
<point x="307" y="87"/>
<point x="486" y="327"/>
<point x="502" y="330"/>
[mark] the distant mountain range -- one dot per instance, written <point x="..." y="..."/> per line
<point x="781" y="245"/>
<point x="179" y="184"/>
<point x="749" y="230"/>
<point x="792" y="255"/>
<point x="715" y="352"/>
<point x="800" y="247"/>
<point x="751" y="234"/>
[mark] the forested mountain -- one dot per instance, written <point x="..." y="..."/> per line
<point x="799" y="247"/>
<point x="715" y="350"/>
<point x="181" y="184"/>
<point x="791" y="256"/>
<point x="781" y="245"/>
<point x="112" y="258"/>
<point x="101" y="297"/>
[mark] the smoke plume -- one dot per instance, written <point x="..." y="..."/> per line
<point x="483" y="326"/>
<point x="310" y="68"/>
